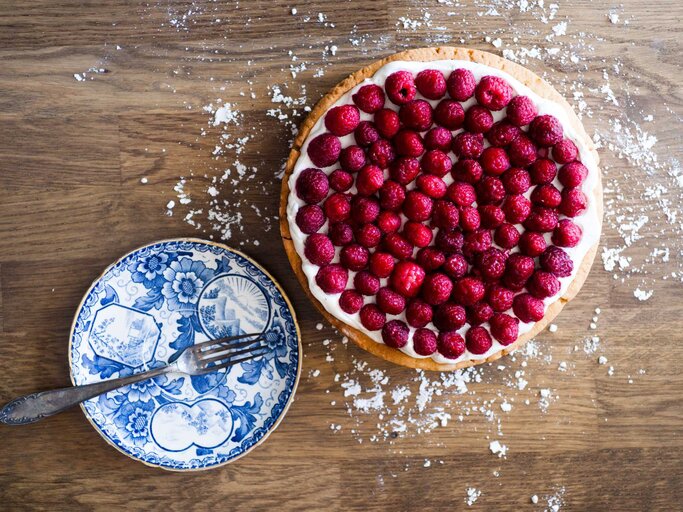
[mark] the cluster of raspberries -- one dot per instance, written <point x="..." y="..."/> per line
<point x="439" y="215"/>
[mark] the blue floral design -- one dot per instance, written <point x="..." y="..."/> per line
<point x="145" y="390"/>
<point x="133" y="418"/>
<point x="185" y="280"/>
<point x="149" y="270"/>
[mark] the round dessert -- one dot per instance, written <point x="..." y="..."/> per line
<point x="440" y="207"/>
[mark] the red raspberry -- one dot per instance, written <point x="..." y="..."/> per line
<point x="417" y="206"/>
<point x="506" y="236"/>
<point x="369" y="98"/>
<point x="516" y="181"/>
<point x="542" y="171"/>
<point x="518" y="269"/>
<point x="528" y="308"/>
<point x="461" y="84"/>
<point x="546" y="195"/>
<point x="449" y="241"/>
<point x="431" y="185"/>
<point x="436" y="162"/>
<point x="541" y="219"/>
<point x="532" y="244"/>
<point x="342" y="120"/>
<point x="436" y="289"/>
<point x="449" y="114"/>
<point x="543" y="284"/>
<point x="445" y="215"/>
<point x="502" y="133"/>
<point x="491" y="216"/>
<point x="368" y="235"/>
<point x="418" y="313"/>
<point x="545" y="130"/>
<point x="572" y="174"/>
<point x="461" y="193"/>
<point x="494" y="161"/>
<point x="567" y="234"/>
<point x="431" y="84"/>
<point x="388" y="222"/>
<point x="352" y="158"/>
<point x="451" y="345"/>
<point x="319" y="249"/>
<point x="477" y="242"/>
<point x="491" y="264"/>
<point x="312" y="185"/>
<point x="390" y="302"/>
<point x="340" y="233"/>
<point x="350" y="301"/>
<point x="365" y="134"/>
<point x="416" y="115"/>
<point x="479" y="313"/>
<point x="468" y="291"/>
<point x="372" y="318"/>
<point x="398" y="246"/>
<point x="424" y="342"/>
<point x="504" y="328"/>
<point x="493" y="92"/>
<point x="455" y="266"/>
<point x="324" y="150"/>
<point x="407" y="278"/>
<point x="478" y="119"/>
<point x="490" y="190"/>
<point x="364" y="209"/>
<point x="387" y="123"/>
<point x="340" y="181"/>
<point x="404" y="170"/>
<point x="369" y="180"/>
<point x="417" y="234"/>
<point x="381" y="153"/>
<point x="438" y="138"/>
<point x="449" y="317"/>
<point x="469" y="219"/>
<point x="517" y="208"/>
<point x="381" y="264"/>
<point x="391" y="195"/>
<point x="467" y="170"/>
<point x="478" y="340"/>
<point x="395" y="334"/>
<point x="557" y="261"/>
<point x="521" y="110"/>
<point x="500" y="298"/>
<point x="468" y="145"/>
<point x="565" y="151"/>
<point x="408" y="143"/>
<point x="574" y="202"/>
<point x="310" y="218"/>
<point x="354" y="257"/>
<point x="400" y="87"/>
<point x="522" y="152"/>
<point x="430" y="258"/>
<point x="366" y="283"/>
<point x="332" y="278"/>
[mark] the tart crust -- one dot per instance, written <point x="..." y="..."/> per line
<point x="531" y="80"/>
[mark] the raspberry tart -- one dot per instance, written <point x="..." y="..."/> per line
<point x="441" y="206"/>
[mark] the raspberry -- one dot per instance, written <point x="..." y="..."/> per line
<point x="436" y="162"/>
<point x="574" y="202"/>
<point x="408" y="143"/>
<point x="388" y="222"/>
<point x="543" y="284"/>
<point x="565" y="151"/>
<point x="502" y="133"/>
<point x="477" y="242"/>
<point x="491" y="264"/>
<point x="572" y="174"/>
<point x="404" y="170"/>
<point x="493" y="92"/>
<point x="461" y="84"/>
<point x="541" y="219"/>
<point x="332" y="278"/>
<point x="424" y="342"/>
<point x="350" y="301"/>
<point x="491" y="216"/>
<point x="364" y="209"/>
<point x="436" y="289"/>
<point x="449" y="114"/>
<point x="516" y="181"/>
<point x="468" y="145"/>
<point x="532" y="243"/>
<point x="391" y="195"/>
<point x="478" y="340"/>
<point x="546" y="195"/>
<point x="312" y="185"/>
<point x="449" y="241"/>
<point x="407" y="278"/>
<point x="430" y="258"/>
<point x="461" y="193"/>
<point x="368" y="235"/>
<point x="479" y="313"/>
<point x="431" y="84"/>
<point x="449" y="317"/>
<point x="506" y="236"/>
<point x="319" y="249"/>
<point x="567" y="234"/>
<point x="372" y="318"/>
<point x="340" y="181"/>
<point x="467" y="170"/>
<point x="521" y="110"/>
<point x="468" y="291"/>
<point x="395" y="334"/>
<point x="381" y="153"/>
<point x="517" y="208"/>
<point x="324" y="150"/>
<point x="417" y="234"/>
<point x="445" y="215"/>
<point x="504" y="328"/>
<point x="417" y="206"/>
<point x="490" y="190"/>
<point x="400" y="87"/>
<point x="469" y="219"/>
<point x="545" y="130"/>
<point x="340" y="233"/>
<point x="390" y="302"/>
<point x="342" y="120"/>
<point x="418" y="313"/>
<point x="455" y="266"/>
<point x="451" y="345"/>
<point x="416" y="115"/>
<point x="557" y="261"/>
<point x="352" y="158"/>
<point x="310" y="218"/>
<point x="500" y="298"/>
<point x="381" y="264"/>
<point x="369" y="180"/>
<point x="528" y="308"/>
<point x="354" y="257"/>
<point x="398" y="246"/>
<point x="365" y="134"/>
<point x="478" y="119"/>
<point x="369" y="98"/>
<point x="366" y="283"/>
<point x="438" y="138"/>
<point x="387" y="123"/>
<point x="431" y="185"/>
<point x="522" y="152"/>
<point x="518" y="269"/>
<point x="542" y="171"/>
<point x="494" y="161"/>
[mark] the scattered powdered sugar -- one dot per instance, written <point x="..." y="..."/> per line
<point x="472" y="496"/>
<point x="497" y="448"/>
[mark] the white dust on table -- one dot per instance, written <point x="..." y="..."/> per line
<point x="472" y="495"/>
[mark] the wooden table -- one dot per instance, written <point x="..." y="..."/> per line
<point x="72" y="156"/>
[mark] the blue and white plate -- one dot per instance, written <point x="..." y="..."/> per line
<point x="149" y="306"/>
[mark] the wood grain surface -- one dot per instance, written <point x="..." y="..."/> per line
<point x="72" y="154"/>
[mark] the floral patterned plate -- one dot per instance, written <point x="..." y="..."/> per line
<point x="149" y="306"/>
